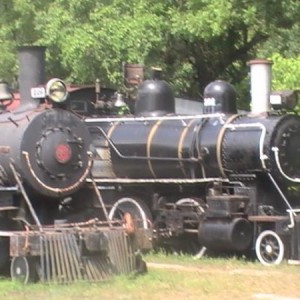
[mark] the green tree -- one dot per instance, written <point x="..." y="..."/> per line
<point x="17" y="28"/>
<point x="194" y="41"/>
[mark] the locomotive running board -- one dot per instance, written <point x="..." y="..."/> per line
<point x="158" y="180"/>
<point x="64" y="256"/>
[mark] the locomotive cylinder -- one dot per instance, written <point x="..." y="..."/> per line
<point x="225" y="234"/>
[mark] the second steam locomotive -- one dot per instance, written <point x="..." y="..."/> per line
<point x="226" y="180"/>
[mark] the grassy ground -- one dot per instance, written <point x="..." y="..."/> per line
<point x="176" y="277"/>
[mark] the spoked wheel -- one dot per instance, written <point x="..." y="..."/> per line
<point x="269" y="248"/>
<point x="24" y="269"/>
<point x="200" y="206"/>
<point x="137" y="210"/>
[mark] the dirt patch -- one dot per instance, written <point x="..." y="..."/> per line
<point x="207" y="269"/>
<point x="273" y="297"/>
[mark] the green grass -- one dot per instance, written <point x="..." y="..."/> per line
<point x="186" y="278"/>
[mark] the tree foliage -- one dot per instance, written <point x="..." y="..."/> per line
<point x="194" y="41"/>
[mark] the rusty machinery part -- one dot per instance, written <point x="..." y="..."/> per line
<point x="136" y="208"/>
<point x="128" y="223"/>
<point x="66" y="255"/>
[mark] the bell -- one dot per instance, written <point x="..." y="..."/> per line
<point x="156" y="73"/>
<point x="5" y="92"/>
<point x="119" y="102"/>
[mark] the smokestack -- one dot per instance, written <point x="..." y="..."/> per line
<point x="31" y="73"/>
<point x="261" y="79"/>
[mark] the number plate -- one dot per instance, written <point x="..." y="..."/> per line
<point x="38" y="92"/>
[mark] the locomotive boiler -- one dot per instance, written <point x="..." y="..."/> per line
<point x="223" y="179"/>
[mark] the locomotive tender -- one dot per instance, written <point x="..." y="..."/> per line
<point x="224" y="179"/>
<point x="44" y="161"/>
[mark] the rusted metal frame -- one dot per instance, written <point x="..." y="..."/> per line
<point x="57" y="258"/>
<point x="119" y="253"/>
<point x="112" y="252"/>
<point x="63" y="264"/>
<point x="42" y="258"/>
<point x="71" y="259"/>
<point x="74" y="256"/>
<point x="47" y="262"/>
<point x="92" y="270"/>
<point x="62" y="260"/>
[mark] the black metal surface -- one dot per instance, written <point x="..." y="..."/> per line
<point x="223" y="97"/>
<point x="149" y="152"/>
<point x="214" y="146"/>
<point x="287" y="139"/>
<point x="295" y="240"/>
<point x="226" y="234"/>
<point x="226" y="206"/>
<point x="241" y="145"/>
<point x="39" y="135"/>
<point x="152" y="149"/>
<point x="154" y="98"/>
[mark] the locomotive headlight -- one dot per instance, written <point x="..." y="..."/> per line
<point x="56" y="90"/>
<point x="287" y="99"/>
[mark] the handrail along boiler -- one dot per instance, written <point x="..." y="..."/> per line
<point x="222" y="178"/>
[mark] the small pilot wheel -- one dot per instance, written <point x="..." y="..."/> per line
<point x="269" y="248"/>
<point x="136" y="209"/>
<point x="23" y="269"/>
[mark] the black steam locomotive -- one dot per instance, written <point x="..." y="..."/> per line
<point x="223" y="179"/>
<point x="44" y="160"/>
<point x="44" y="153"/>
